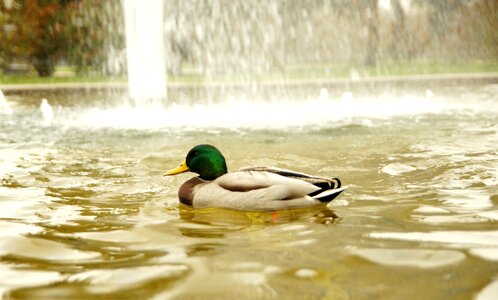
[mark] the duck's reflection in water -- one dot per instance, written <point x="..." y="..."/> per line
<point x="216" y="222"/>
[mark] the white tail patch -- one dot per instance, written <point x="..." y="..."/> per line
<point x="329" y="192"/>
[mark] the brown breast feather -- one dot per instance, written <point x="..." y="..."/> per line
<point x="186" y="192"/>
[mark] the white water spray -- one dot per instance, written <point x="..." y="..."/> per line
<point x="240" y="112"/>
<point x="47" y="112"/>
<point x="230" y="107"/>
<point x="4" y="105"/>
<point x="145" y="49"/>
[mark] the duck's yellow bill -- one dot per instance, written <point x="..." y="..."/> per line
<point x="182" y="168"/>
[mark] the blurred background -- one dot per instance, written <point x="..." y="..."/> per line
<point x="220" y="39"/>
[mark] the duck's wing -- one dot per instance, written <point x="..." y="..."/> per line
<point x="250" y="180"/>
<point x="321" y="182"/>
<point x="327" y="188"/>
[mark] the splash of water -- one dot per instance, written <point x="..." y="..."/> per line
<point x="4" y="105"/>
<point x="47" y="112"/>
<point x="145" y="49"/>
<point x="242" y="112"/>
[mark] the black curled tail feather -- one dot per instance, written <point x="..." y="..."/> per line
<point x="337" y="182"/>
<point x="328" y="190"/>
<point x="329" y="184"/>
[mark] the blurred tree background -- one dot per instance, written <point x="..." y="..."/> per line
<point x="44" y="33"/>
<point x="210" y="37"/>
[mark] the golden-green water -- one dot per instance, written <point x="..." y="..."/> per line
<point x="86" y="213"/>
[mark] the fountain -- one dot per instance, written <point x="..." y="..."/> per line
<point x="250" y="50"/>
<point x="145" y="49"/>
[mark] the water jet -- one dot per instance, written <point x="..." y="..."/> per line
<point x="145" y="50"/>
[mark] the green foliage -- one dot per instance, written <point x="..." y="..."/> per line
<point x="34" y="33"/>
<point x="44" y="32"/>
<point x="95" y="37"/>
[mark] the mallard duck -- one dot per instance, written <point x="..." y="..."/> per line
<point x="251" y="189"/>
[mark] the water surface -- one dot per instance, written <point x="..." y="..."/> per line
<point x="85" y="211"/>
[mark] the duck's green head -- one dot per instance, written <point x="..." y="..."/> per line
<point x="205" y="160"/>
